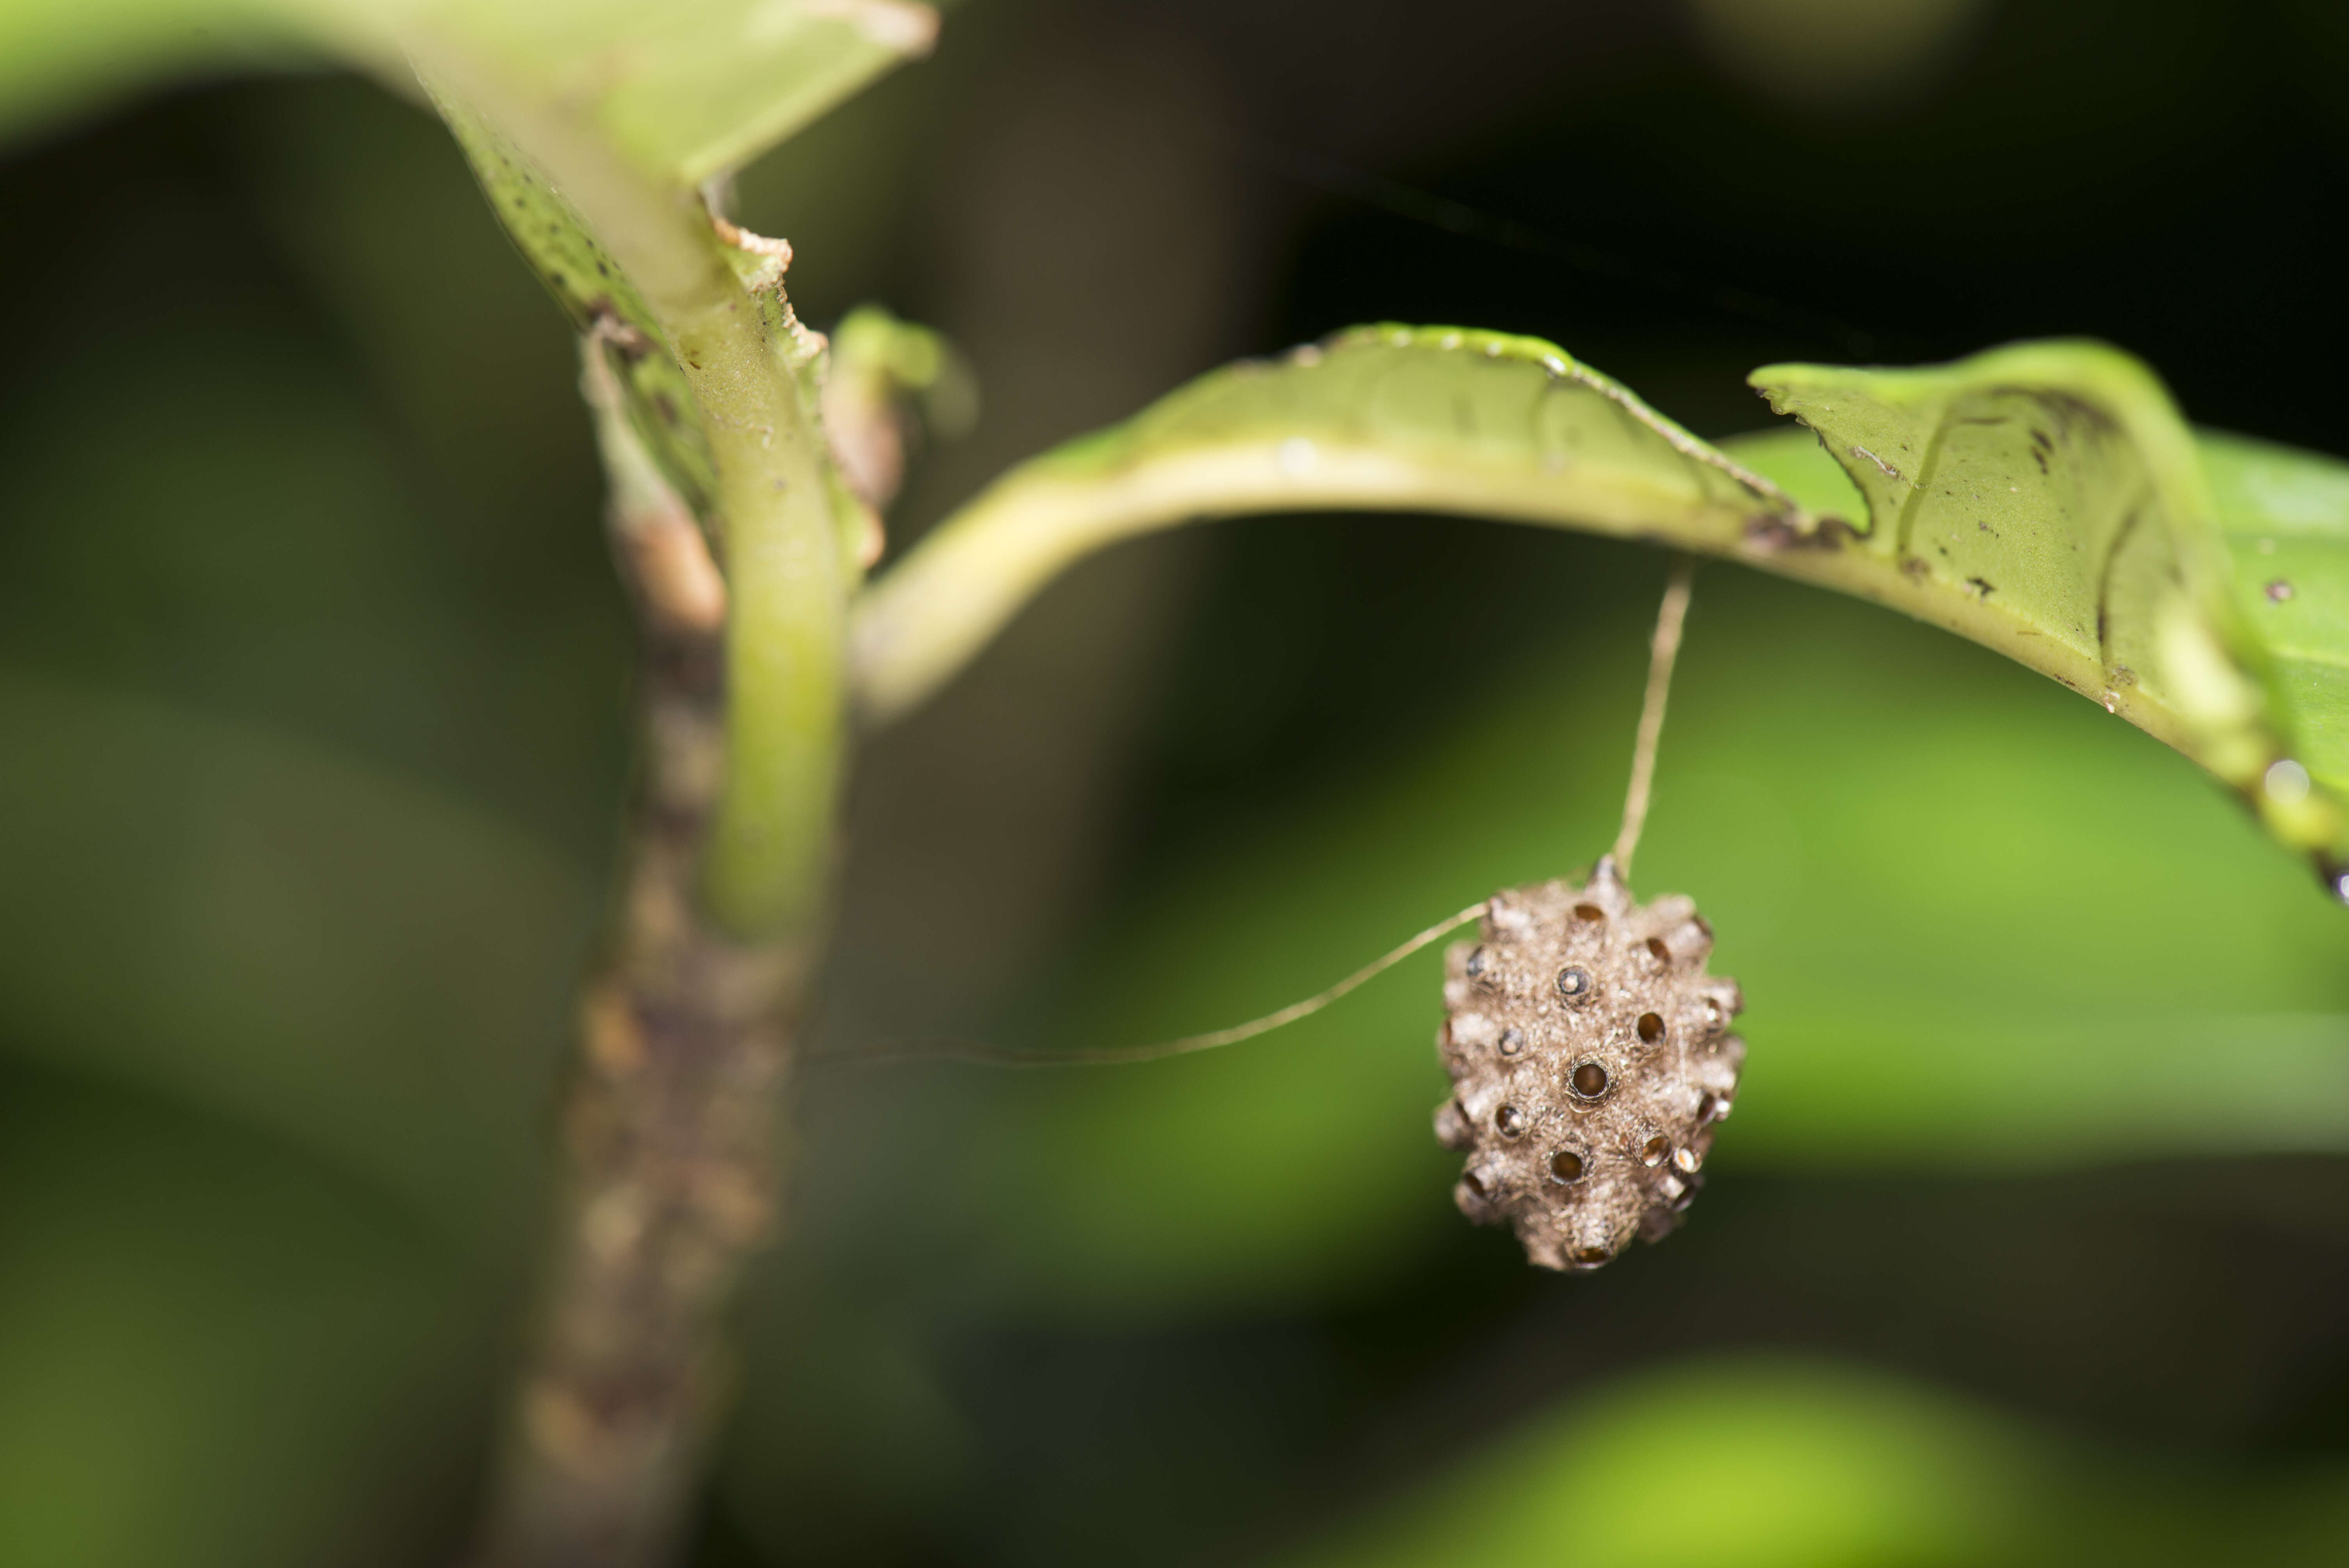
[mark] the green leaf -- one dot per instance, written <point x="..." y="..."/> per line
<point x="2045" y="501"/>
<point x="59" y="58"/>
<point x="682" y="91"/>
<point x="686" y="91"/>
<point x="2284" y="518"/>
<point x="598" y="297"/>
<point x="2054" y="486"/>
<point x="1384" y="418"/>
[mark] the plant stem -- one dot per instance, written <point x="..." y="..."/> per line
<point x="669" y="1128"/>
<point x="671" y="1118"/>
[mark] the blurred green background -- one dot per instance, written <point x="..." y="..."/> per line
<point x="2028" y="1242"/>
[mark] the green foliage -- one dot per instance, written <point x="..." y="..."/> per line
<point x="59" y="58"/>
<point x="2052" y="507"/>
<point x="682" y="93"/>
<point x="2055" y="484"/>
<point x="1387" y="417"/>
<point x="671" y="106"/>
<point x="598" y="297"/>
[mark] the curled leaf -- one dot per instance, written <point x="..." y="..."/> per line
<point x="2050" y="494"/>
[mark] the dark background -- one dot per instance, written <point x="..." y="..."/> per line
<point x="313" y="678"/>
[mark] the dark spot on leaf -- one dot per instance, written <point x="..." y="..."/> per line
<point x="1771" y="534"/>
